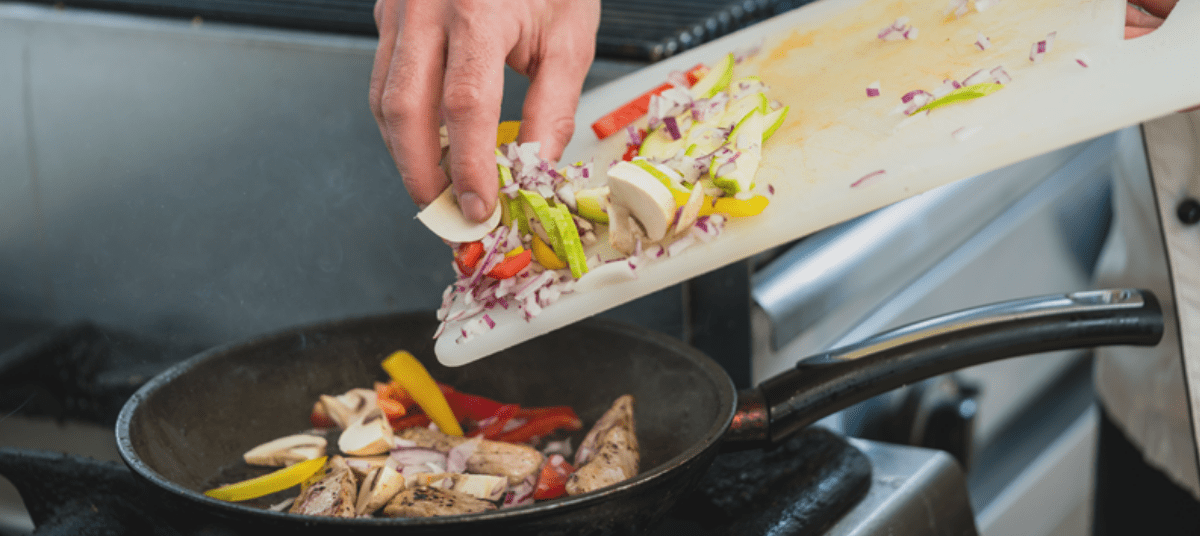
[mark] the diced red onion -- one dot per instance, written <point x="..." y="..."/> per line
<point x="672" y="127"/>
<point x="873" y="89"/>
<point x="868" y="178"/>
<point x="900" y="29"/>
<point x="456" y="459"/>
<point x="977" y="77"/>
<point x="1082" y="59"/>
<point x="771" y="189"/>
<point x="678" y="79"/>
<point x="681" y="244"/>
<point x="982" y="42"/>
<point x="635" y="135"/>
<point x="999" y="75"/>
<point x="957" y="7"/>
<point x="561" y="448"/>
<point x="406" y="456"/>
<point x="983" y="5"/>
<point x="521" y="493"/>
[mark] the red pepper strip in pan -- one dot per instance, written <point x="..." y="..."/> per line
<point x="467" y="256"/>
<point x="552" y="482"/>
<point x="511" y="265"/>
<point x="541" y="426"/>
<point x="409" y="421"/>
<point x="491" y="427"/>
<point x="468" y="406"/>
<point x="630" y="111"/>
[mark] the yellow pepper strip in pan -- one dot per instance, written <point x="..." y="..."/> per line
<point x="268" y="483"/>
<point x="412" y="376"/>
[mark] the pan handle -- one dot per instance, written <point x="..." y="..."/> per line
<point x="825" y="383"/>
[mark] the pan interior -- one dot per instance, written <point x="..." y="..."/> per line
<point x="187" y="424"/>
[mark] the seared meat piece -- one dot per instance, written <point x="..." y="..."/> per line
<point x="425" y="501"/>
<point x="609" y="454"/>
<point x="334" y="494"/>
<point x="514" y="462"/>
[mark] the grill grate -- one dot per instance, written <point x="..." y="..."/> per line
<point x="643" y="30"/>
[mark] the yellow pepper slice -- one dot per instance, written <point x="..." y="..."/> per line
<point x="737" y="208"/>
<point x="515" y="251"/>
<point x="412" y="376"/>
<point x="268" y="483"/>
<point x="507" y="131"/>
<point x="545" y="256"/>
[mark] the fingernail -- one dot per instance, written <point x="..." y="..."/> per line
<point x="473" y="206"/>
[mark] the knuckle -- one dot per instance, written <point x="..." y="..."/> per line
<point x="397" y="105"/>
<point x="463" y="99"/>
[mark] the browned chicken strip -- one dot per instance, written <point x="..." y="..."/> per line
<point x="425" y="501"/>
<point x="514" y="462"/>
<point x="334" y="494"/>
<point x="609" y="454"/>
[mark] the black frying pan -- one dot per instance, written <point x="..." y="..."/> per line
<point x="186" y="425"/>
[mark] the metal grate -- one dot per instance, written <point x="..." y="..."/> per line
<point x="643" y="30"/>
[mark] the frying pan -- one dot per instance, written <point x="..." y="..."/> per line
<point x="196" y="419"/>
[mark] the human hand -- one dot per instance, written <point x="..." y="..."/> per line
<point x="1139" y="23"/>
<point x="443" y="61"/>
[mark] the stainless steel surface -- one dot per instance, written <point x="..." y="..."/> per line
<point x="207" y="181"/>
<point x="840" y="275"/>
<point x="914" y="491"/>
<point x="1045" y="239"/>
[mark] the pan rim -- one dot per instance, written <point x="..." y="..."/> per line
<point x="723" y="386"/>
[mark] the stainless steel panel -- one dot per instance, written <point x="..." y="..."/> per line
<point x="913" y="491"/>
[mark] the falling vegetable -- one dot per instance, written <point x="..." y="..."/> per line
<point x="412" y="376"/>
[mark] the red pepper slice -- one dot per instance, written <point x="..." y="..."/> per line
<point x="552" y="482"/>
<point x="630" y="151"/>
<point x="468" y="406"/>
<point x="321" y="420"/>
<point x="539" y="427"/>
<point x="409" y="421"/>
<point x="510" y="266"/>
<point x="495" y="424"/>
<point x="630" y="111"/>
<point x="467" y="256"/>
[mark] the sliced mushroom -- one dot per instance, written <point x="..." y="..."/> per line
<point x="486" y="487"/>
<point x="378" y="487"/>
<point x="647" y="199"/>
<point x="332" y="492"/>
<point x="690" y="211"/>
<point x="347" y="407"/>
<point x="371" y="434"/>
<point x="624" y="232"/>
<point x="362" y="465"/>
<point x="286" y="450"/>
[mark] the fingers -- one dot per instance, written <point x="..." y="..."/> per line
<point x="474" y="88"/>
<point x="406" y="89"/>
<point x="1157" y="8"/>
<point x="1138" y="22"/>
<point x="557" y="79"/>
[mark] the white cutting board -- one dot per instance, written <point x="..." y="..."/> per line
<point x="819" y="60"/>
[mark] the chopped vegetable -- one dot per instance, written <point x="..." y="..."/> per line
<point x="513" y="263"/>
<point x="873" y="89"/>
<point x="545" y="256"/>
<point x="552" y="481"/>
<point x="632" y="110"/>
<point x="900" y="29"/>
<point x="964" y="93"/>
<point x="982" y="42"/>
<point x="540" y="422"/>
<point x="268" y="483"/>
<point x="869" y="177"/>
<point x="467" y="256"/>
<point x="410" y="374"/>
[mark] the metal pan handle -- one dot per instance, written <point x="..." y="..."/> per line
<point x="825" y="383"/>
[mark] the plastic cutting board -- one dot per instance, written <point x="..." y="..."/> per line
<point x="819" y="60"/>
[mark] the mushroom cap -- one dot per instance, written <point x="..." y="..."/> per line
<point x="644" y="196"/>
<point x="446" y="220"/>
